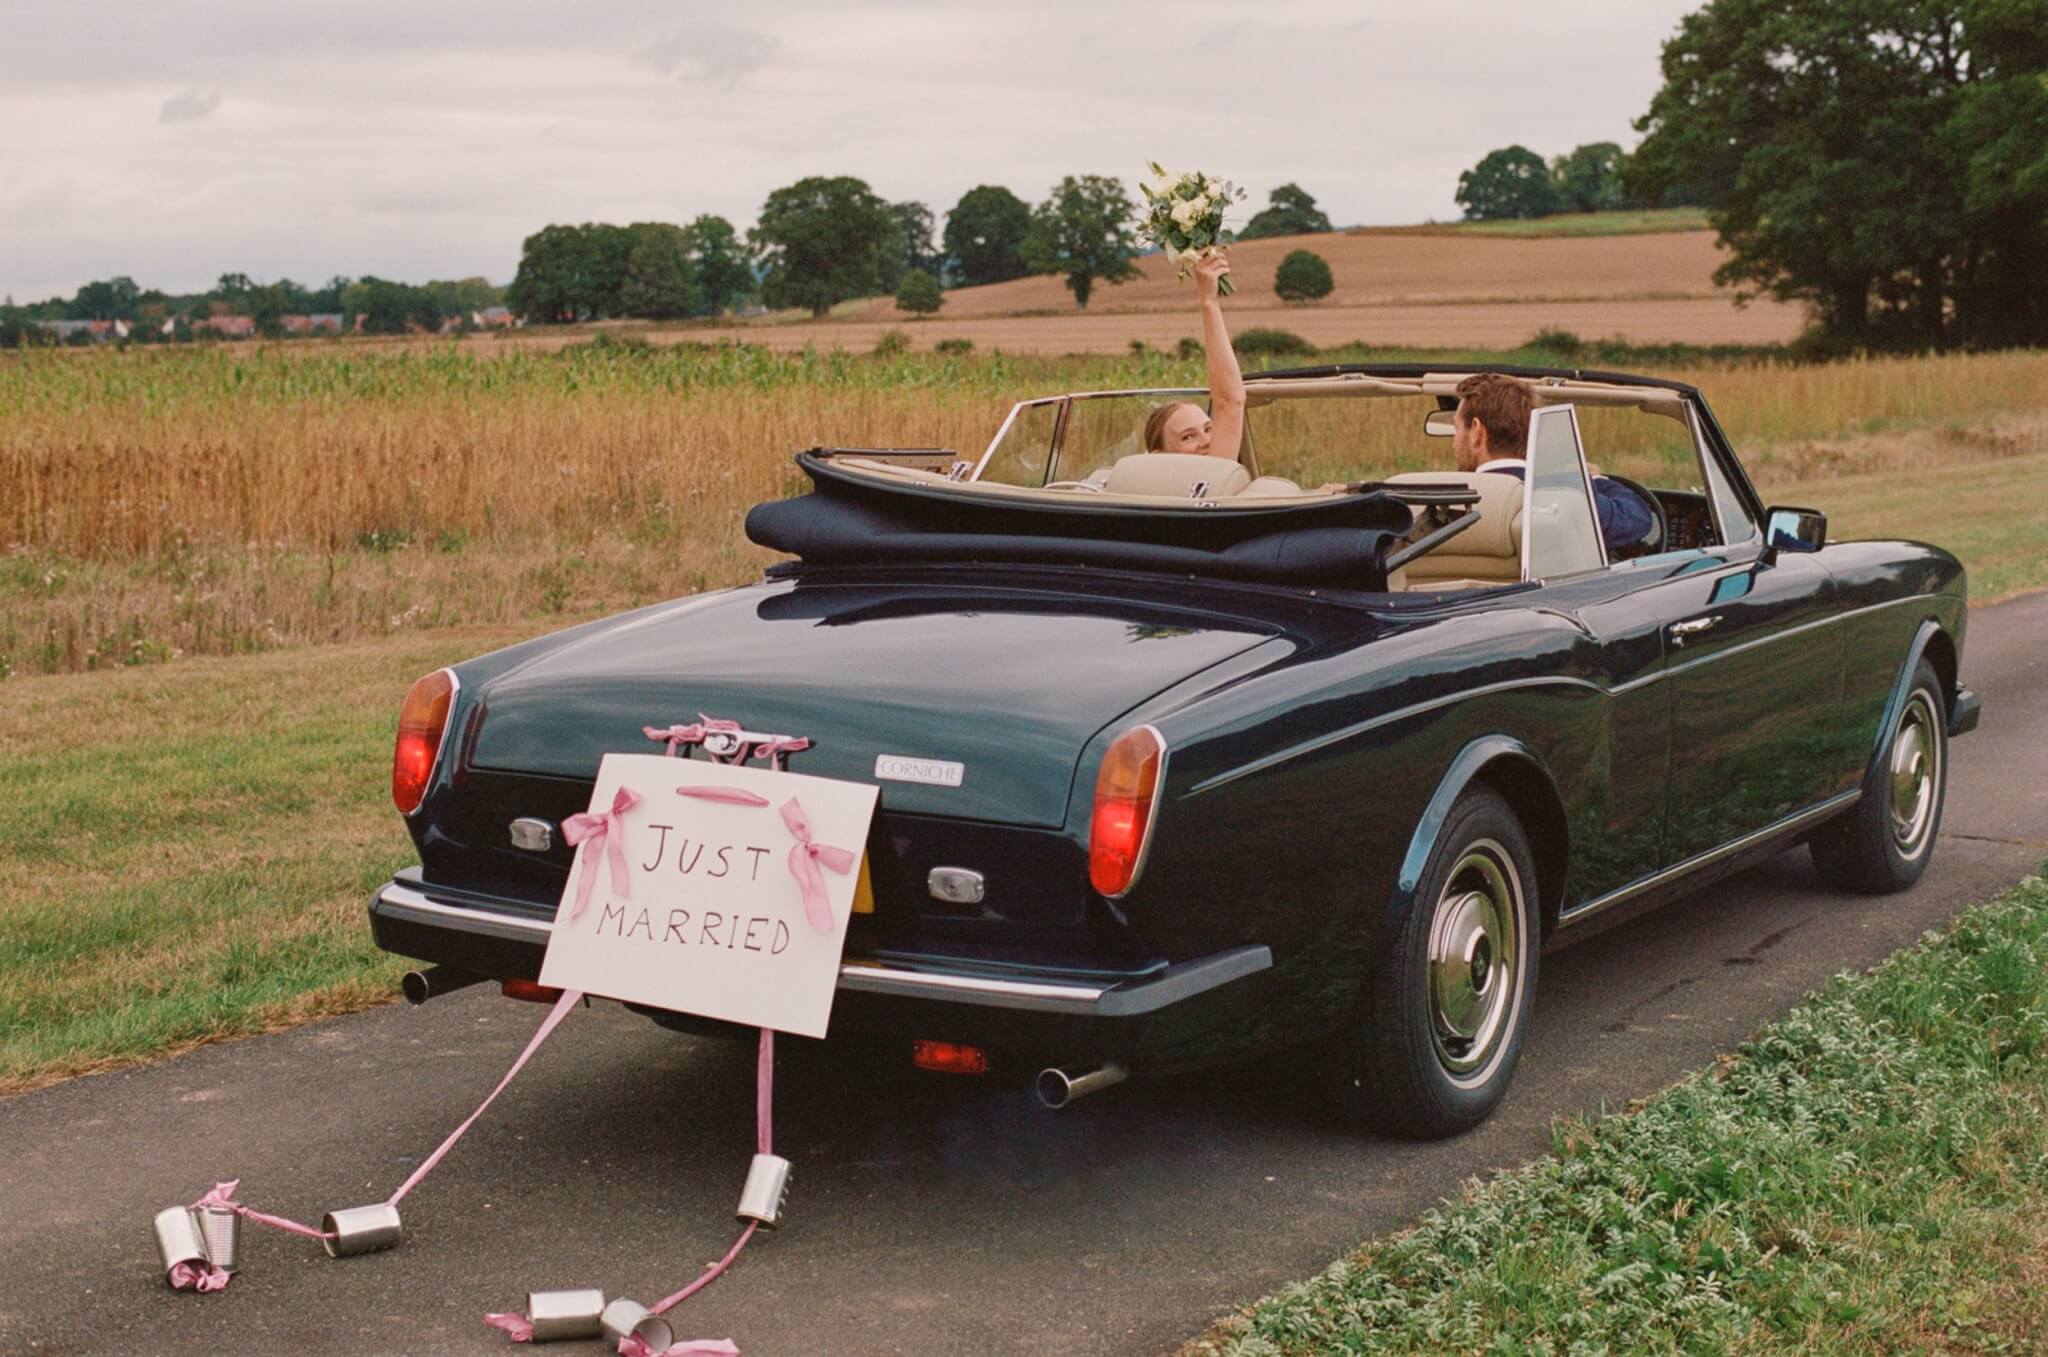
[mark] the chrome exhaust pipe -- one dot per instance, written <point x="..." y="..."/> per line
<point x="435" y="981"/>
<point x="1058" y="1087"/>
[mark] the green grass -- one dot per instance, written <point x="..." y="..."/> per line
<point x="1637" y="223"/>
<point x="1869" y="1175"/>
<point x="187" y="852"/>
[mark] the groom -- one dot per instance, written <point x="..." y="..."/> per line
<point x="1491" y="430"/>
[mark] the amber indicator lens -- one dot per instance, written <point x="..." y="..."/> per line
<point x="948" y="1057"/>
<point x="420" y="723"/>
<point x="1123" y="810"/>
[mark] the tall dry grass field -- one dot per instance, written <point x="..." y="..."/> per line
<point x="169" y="502"/>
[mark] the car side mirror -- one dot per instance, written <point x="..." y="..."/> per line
<point x="1789" y="529"/>
<point x="1441" y="424"/>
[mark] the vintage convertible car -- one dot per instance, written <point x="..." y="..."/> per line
<point x="1181" y="762"/>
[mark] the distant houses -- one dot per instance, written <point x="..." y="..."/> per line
<point x="321" y="323"/>
<point x="98" y="331"/>
<point x="244" y="327"/>
<point x="227" y="327"/>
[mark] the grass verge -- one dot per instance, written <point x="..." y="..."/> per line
<point x="187" y="851"/>
<point x="1868" y="1175"/>
<point x="1638" y="222"/>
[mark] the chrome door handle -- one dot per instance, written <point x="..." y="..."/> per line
<point x="1681" y="631"/>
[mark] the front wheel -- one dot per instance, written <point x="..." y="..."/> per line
<point x="1883" y="844"/>
<point x="1441" y="1023"/>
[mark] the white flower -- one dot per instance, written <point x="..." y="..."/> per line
<point x="1187" y="212"/>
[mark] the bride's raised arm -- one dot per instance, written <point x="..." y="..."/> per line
<point x="1226" y="383"/>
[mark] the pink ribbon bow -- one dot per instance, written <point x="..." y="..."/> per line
<point x="693" y="733"/>
<point x="602" y="828"/>
<point x="201" y="1277"/>
<point x="518" y="1326"/>
<point x="805" y="858"/>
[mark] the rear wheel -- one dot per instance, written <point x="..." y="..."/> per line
<point x="1884" y="843"/>
<point x="1440" y="1027"/>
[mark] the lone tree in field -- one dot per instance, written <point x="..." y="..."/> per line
<point x="985" y="236"/>
<point x="822" y="240"/>
<point x="914" y="251"/>
<point x="1887" y="164"/>
<point x="919" y="293"/>
<point x="1509" y="183"/>
<point x="1292" y="213"/>
<point x="1303" y="276"/>
<point x="1589" y="179"/>
<point x="1084" y="230"/>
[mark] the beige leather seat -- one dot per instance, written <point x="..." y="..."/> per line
<point x="1177" y="475"/>
<point x="1488" y="552"/>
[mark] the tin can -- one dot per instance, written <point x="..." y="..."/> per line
<point x="361" y="1229"/>
<point x="565" y="1314"/>
<point x="766" y="1191"/>
<point x="220" y="1229"/>
<point x="619" y="1319"/>
<point x="178" y="1239"/>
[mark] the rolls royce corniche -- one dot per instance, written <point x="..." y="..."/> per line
<point x="1184" y="759"/>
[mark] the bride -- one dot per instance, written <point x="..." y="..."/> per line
<point x="1183" y="426"/>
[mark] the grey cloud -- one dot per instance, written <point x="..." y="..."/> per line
<point x="712" y="51"/>
<point x="188" y="106"/>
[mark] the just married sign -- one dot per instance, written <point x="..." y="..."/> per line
<point x="710" y="889"/>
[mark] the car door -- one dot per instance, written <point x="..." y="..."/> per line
<point x="1754" y="674"/>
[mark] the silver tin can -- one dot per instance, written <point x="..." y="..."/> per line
<point x="766" y="1192"/>
<point x="620" y="1319"/>
<point x="565" y="1314"/>
<point x="361" y="1229"/>
<point x="178" y="1239"/>
<point x="221" y="1230"/>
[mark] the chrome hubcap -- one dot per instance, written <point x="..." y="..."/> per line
<point x="1475" y="956"/>
<point x="1915" y="774"/>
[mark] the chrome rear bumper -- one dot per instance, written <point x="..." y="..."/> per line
<point x="405" y="901"/>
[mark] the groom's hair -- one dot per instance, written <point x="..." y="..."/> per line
<point x="1502" y="403"/>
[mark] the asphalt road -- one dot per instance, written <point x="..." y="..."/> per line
<point x="926" y="1215"/>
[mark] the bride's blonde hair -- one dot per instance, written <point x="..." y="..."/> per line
<point x="1155" y="423"/>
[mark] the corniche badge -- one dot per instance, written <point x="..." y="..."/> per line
<point x="535" y="836"/>
<point x="903" y="768"/>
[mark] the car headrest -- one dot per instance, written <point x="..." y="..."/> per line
<point x="1177" y="474"/>
<point x="1499" y="529"/>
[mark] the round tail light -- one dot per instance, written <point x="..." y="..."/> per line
<point x="1124" y="792"/>
<point x="422" y="723"/>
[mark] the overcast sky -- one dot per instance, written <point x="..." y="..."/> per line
<point x="426" y="139"/>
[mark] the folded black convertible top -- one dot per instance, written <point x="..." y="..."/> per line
<point x="853" y="519"/>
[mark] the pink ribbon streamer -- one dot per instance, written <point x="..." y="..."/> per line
<point x="200" y="1277"/>
<point x="632" y="1346"/>
<point x="548" y="1024"/>
<point x="805" y="858"/>
<point x="732" y="795"/>
<point x="518" y="1326"/>
<point x="223" y="1195"/>
<point x="605" y="832"/>
<point x="693" y="733"/>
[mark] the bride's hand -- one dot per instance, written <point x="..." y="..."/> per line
<point x="1209" y="273"/>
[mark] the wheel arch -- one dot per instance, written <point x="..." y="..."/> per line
<point x="1510" y="769"/>
<point x="1932" y="643"/>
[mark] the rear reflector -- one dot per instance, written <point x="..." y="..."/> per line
<point x="530" y="990"/>
<point x="947" y="1057"/>
<point x="1123" y="809"/>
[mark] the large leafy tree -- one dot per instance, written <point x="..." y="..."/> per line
<point x="1290" y="212"/>
<point x="985" y="235"/>
<point x="1589" y="179"/>
<point x="390" y="308"/>
<point x="1883" y="161"/>
<point x="1509" y="183"/>
<point x="719" y="271"/>
<point x="1084" y="231"/>
<point x="111" y="299"/>
<point x="657" y="284"/>
<point x="550" y="285"/>
<point x="822" y="240"/>
<point x="914" y="228"/>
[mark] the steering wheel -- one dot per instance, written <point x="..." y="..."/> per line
<point x="1089" y="486"/>
<point x="1661" y="533"/>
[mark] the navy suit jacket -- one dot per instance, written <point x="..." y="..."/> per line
<point x="1624" y="519"/>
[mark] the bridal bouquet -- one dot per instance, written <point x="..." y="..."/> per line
<point x="1184" y="213"/>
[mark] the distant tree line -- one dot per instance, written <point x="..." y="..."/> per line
<point x="369" y="304"/>
<point x="1516" y="183"/>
